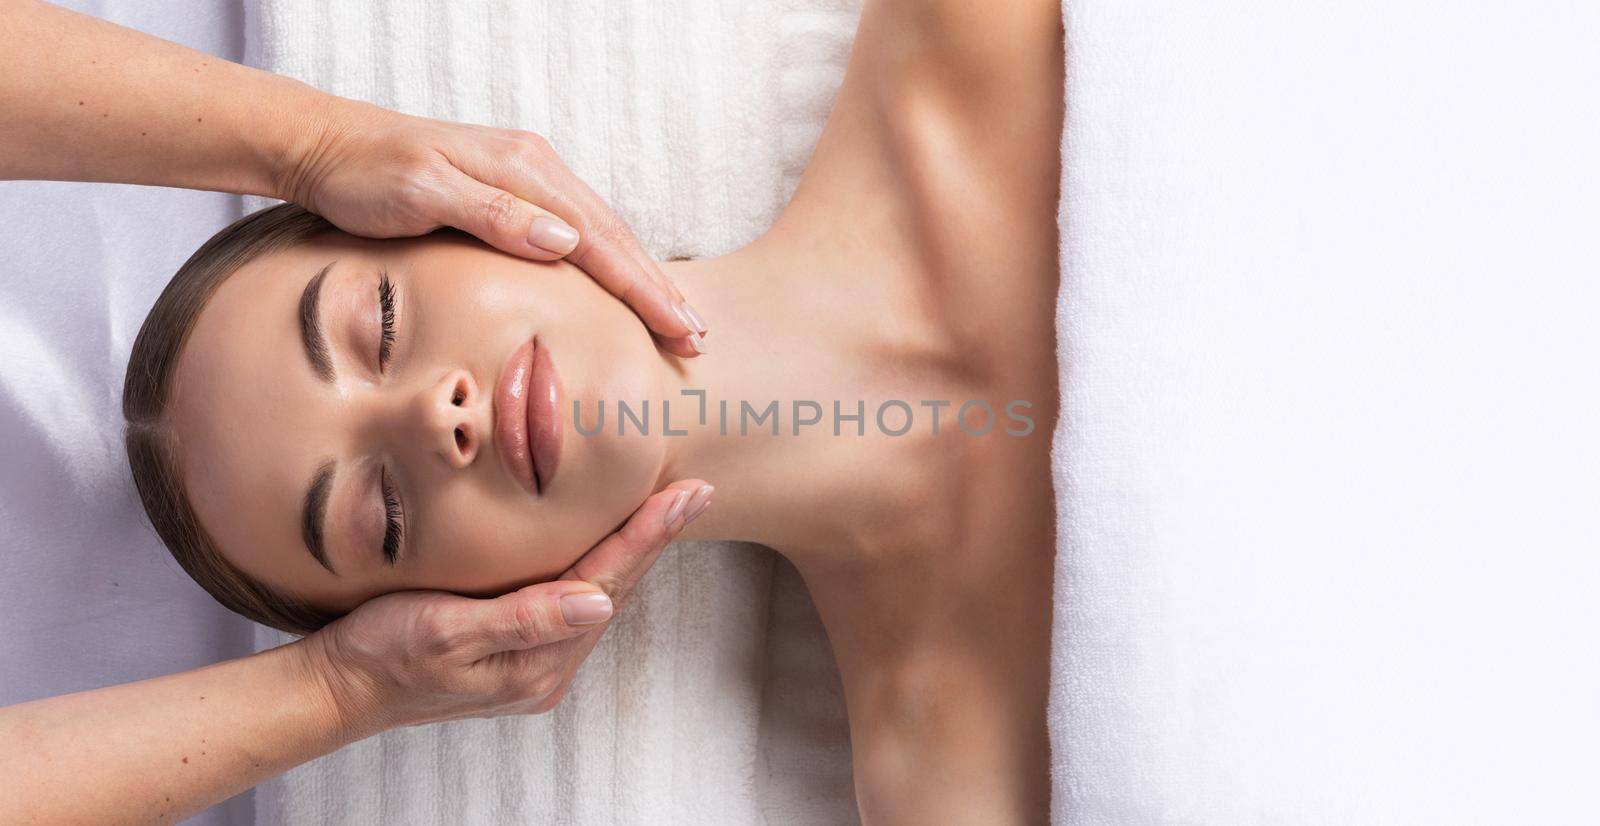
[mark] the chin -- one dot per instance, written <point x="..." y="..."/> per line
<point x="607" y="357"/>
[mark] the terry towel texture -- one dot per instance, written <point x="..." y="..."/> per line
<point x="1327" y="462"/>
<point x="714" y="697"/>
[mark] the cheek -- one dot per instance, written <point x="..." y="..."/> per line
<point x="484" y="546"/>
<point x="481" y="543"/>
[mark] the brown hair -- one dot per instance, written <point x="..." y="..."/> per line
<point x="149" y="439"/>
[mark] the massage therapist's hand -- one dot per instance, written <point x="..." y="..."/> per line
<point x="162" y="749"/>
<point x="382" y="174"/>
<point x="85" y="100"/>
<point x="423" y="656"/>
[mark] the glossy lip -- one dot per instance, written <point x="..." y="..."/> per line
<point x="544" y="417"/>
<point x="527" y="422"/>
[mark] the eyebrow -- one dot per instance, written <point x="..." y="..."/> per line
<point x="315" y="514"/>
<point x="311" y="334"/>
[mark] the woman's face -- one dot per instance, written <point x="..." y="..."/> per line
<point x="309" y="478"/>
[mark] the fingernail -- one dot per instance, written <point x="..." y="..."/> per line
<point x="677" y="310"/>
<point x="585" y="609"/>
<point x="695" y="341"/>
<point x="677" y="507"/>
<point x="698" y="505"/>
<point x="693" y="318"/>
<point x="552" y="235"/>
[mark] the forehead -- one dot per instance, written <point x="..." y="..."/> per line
<point x="244" y="409"/>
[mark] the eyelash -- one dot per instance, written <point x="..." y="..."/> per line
<point x="386" y="305"/>
<point x="394" y="529"/>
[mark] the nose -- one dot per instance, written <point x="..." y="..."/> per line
<point x="447" y="420"/>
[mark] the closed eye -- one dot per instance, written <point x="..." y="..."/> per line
<point x="386" y="310"/>
<point x="394" y="525"/>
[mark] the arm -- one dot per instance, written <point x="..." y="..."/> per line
<point x="160" y="750"/>
<point x="163" y="749"/>
<point x="86" y="100"/>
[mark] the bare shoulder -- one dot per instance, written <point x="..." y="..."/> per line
<point x="947" y="108"/>
<point x="993" y="68"/>
<point x="981" y="47"/>
<point x="940" y="164"/>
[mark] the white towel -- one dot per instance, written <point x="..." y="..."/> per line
<point x="1331" y="414"/>
<point x="693" y="118"/>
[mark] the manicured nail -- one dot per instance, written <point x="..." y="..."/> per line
<point x="552" y="235"/>
<point x="693" y="318"/>
<point x="678" y="310"/>
<point x="677" y="507"/>
<point x="698" y="505"/>
<point x="695" y="341"/>
<point x="585" y="609"/>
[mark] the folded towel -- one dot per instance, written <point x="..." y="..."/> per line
<point x="714" y="697"/>
<point x="1328" y="456"/>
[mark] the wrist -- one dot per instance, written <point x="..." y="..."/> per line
<point x="258" y="134"/>
<point x="347" y="707"/>
<point x="291" y="150"/>
<point x="312" y="141"/>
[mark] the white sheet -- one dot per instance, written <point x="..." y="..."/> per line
<point x="693" y="119"/>
<point x="88" y="596"/>
<point x="1330" y="453"/>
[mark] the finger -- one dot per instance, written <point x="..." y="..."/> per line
<point x="551" y="667"/>
<point x="616" y="566"/>
<point x="681" y="347"/>
<point x="617" y="563"/>
<point x="610" y="253"/>
<point x="515" y="226"/>
<point x="605" y="257"/>
<point x="539" y="672"/>
<point x="688" y="346"/>
<point x="681" y="306"/>
<point x="532" y="674"/>
<point x="630" y="243"/>
<point x="504" y="221"/>
<point x="531" y="617"/>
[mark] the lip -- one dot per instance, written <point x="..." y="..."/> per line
<point x="527" y="425"/>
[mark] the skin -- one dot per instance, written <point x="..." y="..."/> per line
<point x="254" y="421"/>
<point x="929" y="562"/>
<point x="84" y="100"/>
<point x="917" y="261"/>
<point x="401" y="659"/>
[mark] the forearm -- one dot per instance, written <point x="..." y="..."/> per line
<point x="160" y="750"/>
<point x="82" y="99"/>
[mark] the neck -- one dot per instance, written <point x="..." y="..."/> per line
<point x="782" y="345"/>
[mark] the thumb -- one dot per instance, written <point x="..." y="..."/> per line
<point x="504" y="221"/>
<point x="541" y="614"/>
